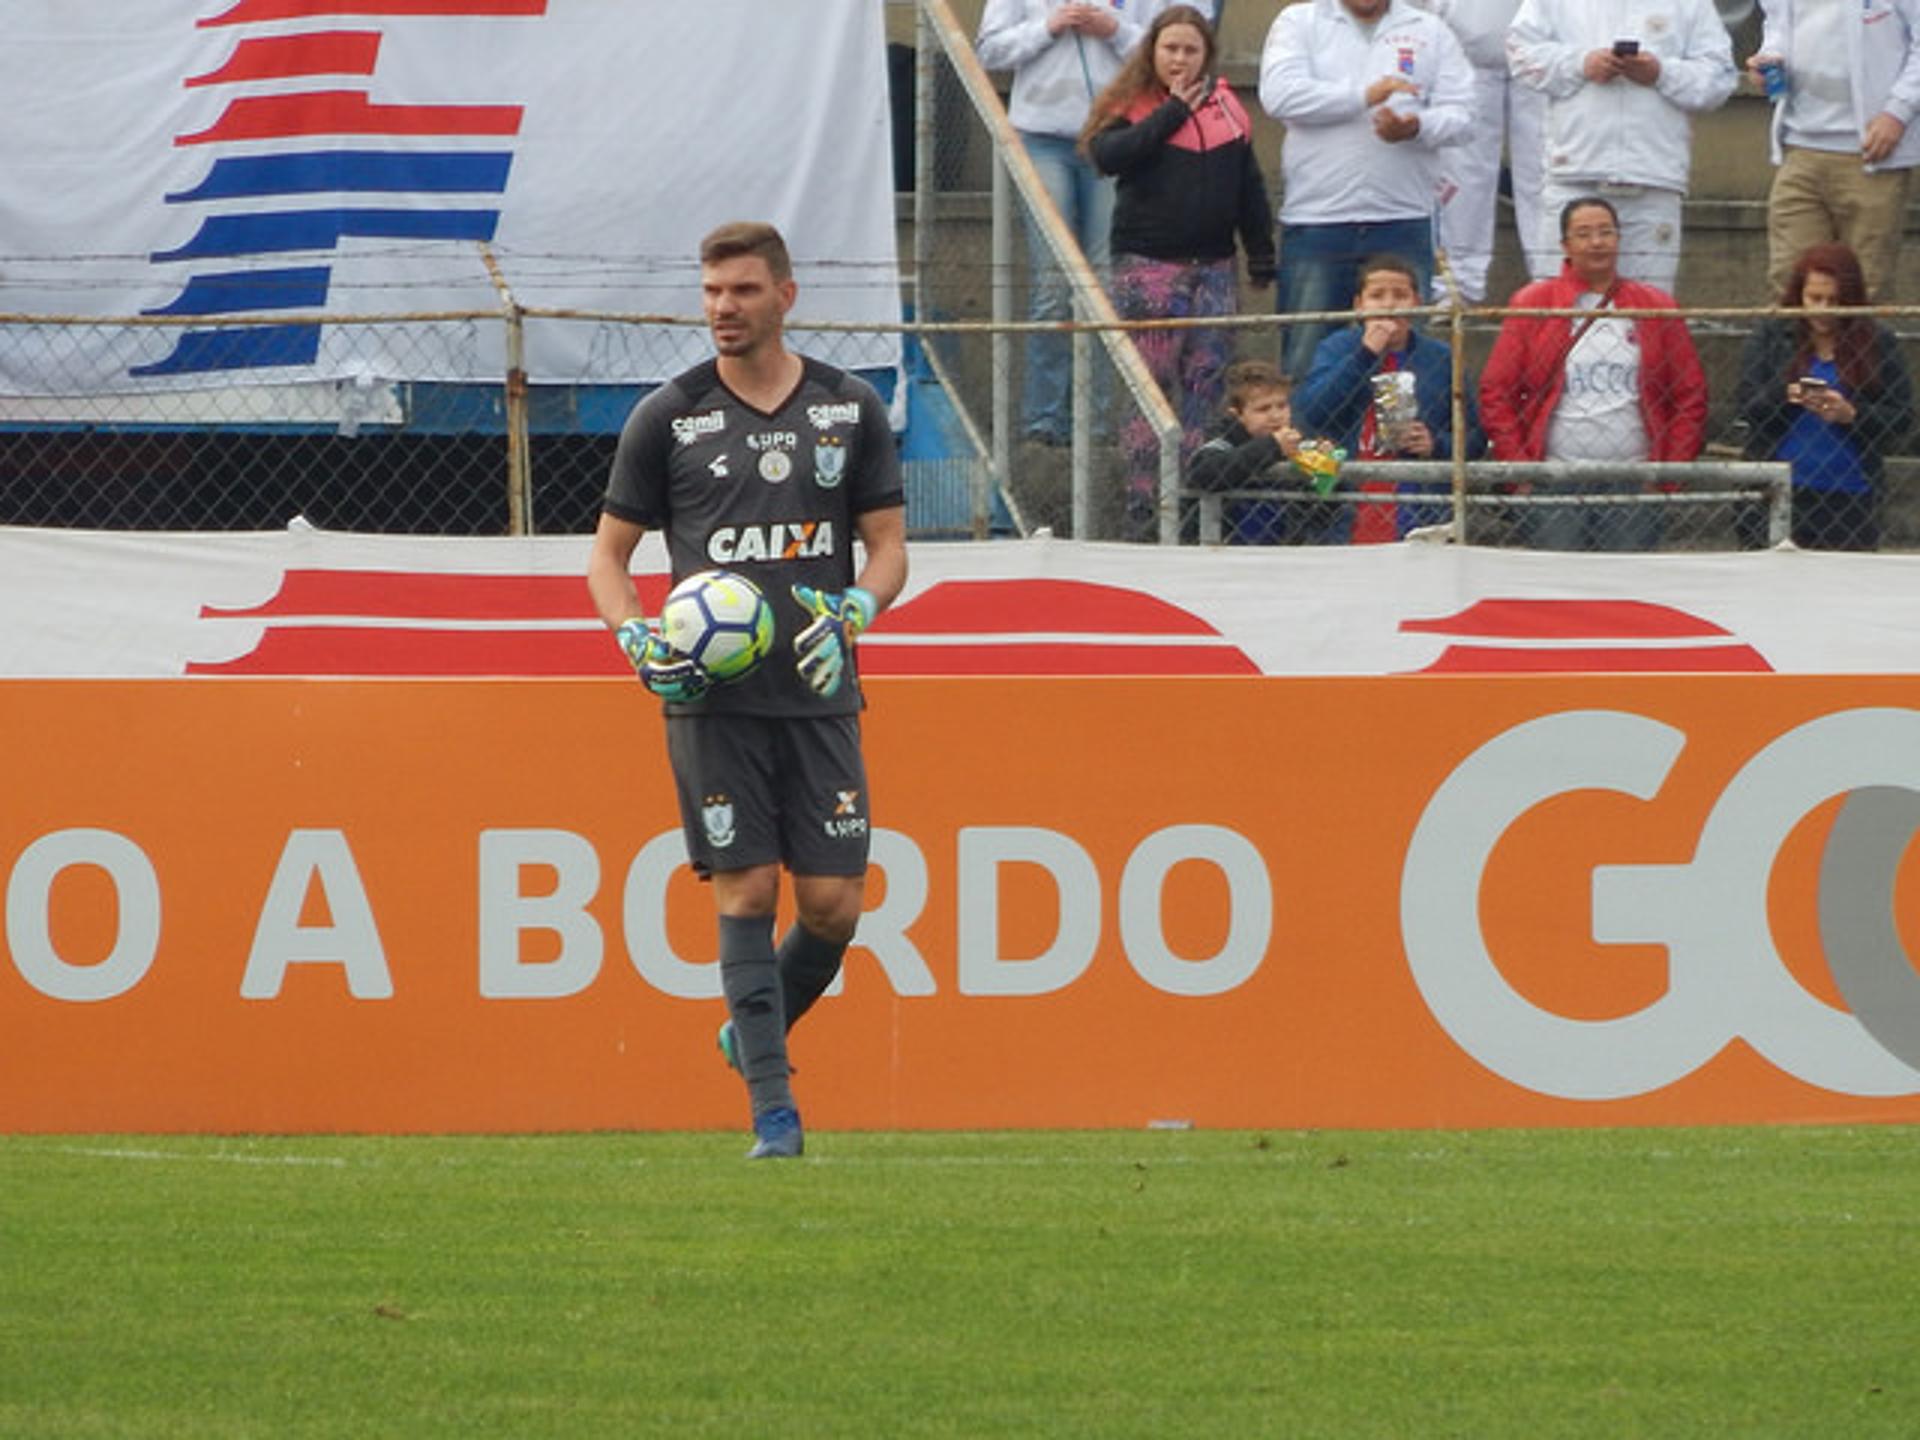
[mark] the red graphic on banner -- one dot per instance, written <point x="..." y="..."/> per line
<point x="282" y="57"/>
<point x="250" y="12"/>
<point x="364" y="623"/>
<point x="1583" y="636"/>
<point x="349" y="112"/>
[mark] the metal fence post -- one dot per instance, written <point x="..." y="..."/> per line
<point x="519" y="456"/>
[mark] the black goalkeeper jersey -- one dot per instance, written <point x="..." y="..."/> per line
<point x="771" y="496"/>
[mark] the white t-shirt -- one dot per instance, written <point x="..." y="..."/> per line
<point x="1598" y="416"/>
<point x="1819" y="103"/>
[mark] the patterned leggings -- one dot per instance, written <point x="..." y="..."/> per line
<point x="1190" y="365"/>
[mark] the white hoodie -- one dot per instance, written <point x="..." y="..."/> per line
<point x="1055" y="77"/>
<point x="1622" y="132"/>
<point x="1481" y="26"/>
<point x="1314" y="72"/>
<point x="1883" y="62"/>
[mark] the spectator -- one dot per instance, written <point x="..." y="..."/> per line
<point x="1347" y="398"/>
<point x="1369" y="90"/>
<point x="1623" y="83"/>
<point x="1599" y="387"/>
<point x="1504" y="115"/>
<point x="1831" y="395"/>
<point x="1252" y="441"/>
<point x="1181" y="146"/>
<point x="1061" y="56"/>
<point x="1841" y="137"/>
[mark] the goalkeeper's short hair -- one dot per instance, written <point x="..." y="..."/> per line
<point x="1252" y="377"/>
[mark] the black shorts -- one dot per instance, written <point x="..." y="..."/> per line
<point x="755" y="789"/>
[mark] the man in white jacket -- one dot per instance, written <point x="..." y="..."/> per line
<point x="1843" y="137"/>
<point x="1370" y="92"/>
<point x="1062" y="53"/>
<point x="1504" y="115"/>
<point x="1623" y="81"/>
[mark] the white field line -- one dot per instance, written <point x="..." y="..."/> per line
<point x="218" y="1157"/>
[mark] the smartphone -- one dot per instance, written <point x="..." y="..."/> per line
<point x="1813" y="382"/>
<point x="1624" y="48"/>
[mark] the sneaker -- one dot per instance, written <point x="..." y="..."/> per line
<point x="777" y="1134"/>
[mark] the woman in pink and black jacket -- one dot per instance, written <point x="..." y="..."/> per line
<point x="1180" y="144"/>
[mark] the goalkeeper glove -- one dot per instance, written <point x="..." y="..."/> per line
<point x="821" y="650"/>
<point x="669" y="675"/>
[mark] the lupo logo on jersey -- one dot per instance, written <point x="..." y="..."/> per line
<point x="298" y="125"/>
<point x="1727" y="980"/>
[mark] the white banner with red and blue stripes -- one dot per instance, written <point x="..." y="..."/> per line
<point x="257" y="162"/>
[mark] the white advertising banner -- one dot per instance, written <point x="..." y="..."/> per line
<point x="305" y="602"/>
<point x="224" y="166"/>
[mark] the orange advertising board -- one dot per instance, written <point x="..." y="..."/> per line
<point x="239" y="905"/>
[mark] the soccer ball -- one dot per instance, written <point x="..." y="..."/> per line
<point x="721" y="619"/>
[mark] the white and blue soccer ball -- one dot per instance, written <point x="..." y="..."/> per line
<point x="719" y="618"/>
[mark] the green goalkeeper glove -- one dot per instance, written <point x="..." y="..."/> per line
<point x="822" y="649"/>
<point x="669" y="675"/>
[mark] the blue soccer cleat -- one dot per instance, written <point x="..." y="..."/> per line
<point x="777" y="1134"/>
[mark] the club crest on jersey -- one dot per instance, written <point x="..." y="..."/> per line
<point x="1406" y="59"/>
<point x="716" y="814"/>
<point x="784" y="540"/>
<point x="829" y="462"/>
<point x="689" y="428"/>
<point x="775" y="466"/>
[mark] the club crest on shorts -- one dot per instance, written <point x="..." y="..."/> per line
<point x="829" y="461"/>
<point x="716" y="814"/>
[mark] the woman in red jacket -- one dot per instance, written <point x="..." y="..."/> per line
<point x="1594" y="386"/>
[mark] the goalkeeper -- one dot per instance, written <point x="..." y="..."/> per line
<point x="770" y="464"/>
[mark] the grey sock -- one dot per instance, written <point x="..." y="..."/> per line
<point x="751" y="982"/>
<point x="808" y="964"/>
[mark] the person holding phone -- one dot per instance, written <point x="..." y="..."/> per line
<point x="1830" y="394"/>
<point x="1179" y="143"/>
<point x="1622" y="88"/>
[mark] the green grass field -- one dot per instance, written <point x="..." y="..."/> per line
<point x="1605" y="1283"/>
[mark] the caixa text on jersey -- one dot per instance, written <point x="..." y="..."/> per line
<point x="783" y="540"/>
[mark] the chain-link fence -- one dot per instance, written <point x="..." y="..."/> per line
<point x="365" y="454"/>
<point x="468" y="459"/>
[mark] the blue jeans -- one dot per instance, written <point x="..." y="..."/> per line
<point x="1085" y="201"/>
<point x="1319" y="270"/>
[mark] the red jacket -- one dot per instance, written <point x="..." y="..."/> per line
<point x="1521" y="384"/>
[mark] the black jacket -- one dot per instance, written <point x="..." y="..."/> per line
<point x="1885" y="403"/>
<point x="1188" y="181"/>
